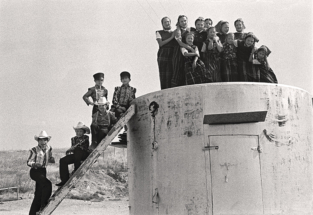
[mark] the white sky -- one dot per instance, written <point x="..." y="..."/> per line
<point x="49" y="51"/>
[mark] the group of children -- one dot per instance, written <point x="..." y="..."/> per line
<point x="208" y="53"/>
<point x="102" y="121"/>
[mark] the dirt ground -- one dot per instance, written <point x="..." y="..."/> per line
<point x="69" y="207"/>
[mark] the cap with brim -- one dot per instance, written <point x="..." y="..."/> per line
<point x="125" y="74"/>
<point x="42" y="135"/>
<point x="98" y="76"/>
<point x="82" y="126"/>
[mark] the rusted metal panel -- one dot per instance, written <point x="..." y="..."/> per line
<point x="60" y="194"/>
<point x="235" y="173"/>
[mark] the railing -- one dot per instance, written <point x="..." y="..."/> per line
<point x="11" y="188"/>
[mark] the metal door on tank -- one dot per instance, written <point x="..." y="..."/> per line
<point x="235" y="175"/>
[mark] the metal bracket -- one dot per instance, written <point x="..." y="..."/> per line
<point x="210" y="148"/>
<point x="259" y="149"/>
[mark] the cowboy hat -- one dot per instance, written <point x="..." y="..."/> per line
<point x="42" y="134"/>
<point x="81" y="125"/>
<point x="102" y="101"/>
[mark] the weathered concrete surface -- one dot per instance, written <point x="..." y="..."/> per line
<point x="196" y="168"/>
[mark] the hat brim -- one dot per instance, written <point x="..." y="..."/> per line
<point x="36" y="138"/>
<point x="85" y="128"/>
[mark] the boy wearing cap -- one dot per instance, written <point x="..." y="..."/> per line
<point x="77" y="153"/>
<point x="96" y="92"/>
<point x="102" y="121"/>
<point x="38" y="160"/>
<point x="123" y="95"/>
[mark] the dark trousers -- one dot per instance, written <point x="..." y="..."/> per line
<point x="43" y="189"/>
<point x="118" y="112"/>
<point x="98" y="132"/>
<point x="75" y="158"/>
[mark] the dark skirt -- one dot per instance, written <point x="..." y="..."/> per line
<point x="165" y="56"/>
<point x="247" y="72"/>
<point x="266" y="74"/>
<point x="198" y="75"/>
<point x="178" y="78"/>
<point x="229" y="70"/>
<point x="213" y="65"/>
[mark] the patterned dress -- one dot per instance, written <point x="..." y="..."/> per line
<point x="198" y="75"/>
<point x="212" y="61"/>
<point x="266" y="73"/>
<point x="229" y="63"/>
<point x="245" y="69"/>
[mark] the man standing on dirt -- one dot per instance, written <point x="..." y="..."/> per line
<point x="38" y="159"/>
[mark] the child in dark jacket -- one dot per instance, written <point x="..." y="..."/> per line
<point x="123" y="95"/>
<point x="77" y="153"/>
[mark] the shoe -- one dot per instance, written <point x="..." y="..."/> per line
<point x="60" y="184"/>
<point x="123" y="138"/>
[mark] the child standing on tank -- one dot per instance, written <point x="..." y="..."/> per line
<point x="195" y="70"/>
<point x="200" y="34"/>
<point x="245" y="51"/>
<point x="212" y="60"/>
<point x="229" y="60"/>
<point x="222" y="28"/>
<point x="262" y="66"/>
<point x="240" y="27"/>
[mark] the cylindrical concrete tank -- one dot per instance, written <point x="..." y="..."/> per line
<point x="222" y="148"/>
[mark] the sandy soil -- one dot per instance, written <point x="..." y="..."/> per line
<point x="70" y="206"/>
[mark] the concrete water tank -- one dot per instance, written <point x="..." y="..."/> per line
<point x="221" y="148"/>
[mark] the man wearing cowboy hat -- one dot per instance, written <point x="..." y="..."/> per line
<point x="38" y="160"/>
<point x="77" y="153"/>
<point x="102" y="122"/>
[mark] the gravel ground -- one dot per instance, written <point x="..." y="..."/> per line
<point x="70" y="206"/>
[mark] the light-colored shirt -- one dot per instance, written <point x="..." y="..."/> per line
<point x="39" y="156"/>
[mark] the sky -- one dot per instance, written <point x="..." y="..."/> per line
<point x="50" y="49"/>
